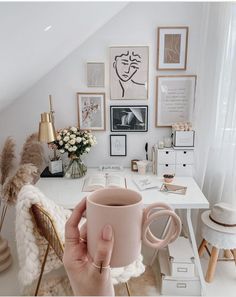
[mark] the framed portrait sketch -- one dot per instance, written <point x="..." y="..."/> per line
<point x="91" y="111"/>
<point x="172" y="45"/>
<point x="118" y="145"/>
<point x="129" y="118"/>
<point x="129" y="72"/>
<point x="175" y="99"/>
<point x="95" y="75"/>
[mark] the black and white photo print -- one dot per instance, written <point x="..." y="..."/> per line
<point x="128" y="118"/>
<point x="129" y="72"/>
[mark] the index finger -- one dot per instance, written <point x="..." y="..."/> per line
<point x="72" y="234"/>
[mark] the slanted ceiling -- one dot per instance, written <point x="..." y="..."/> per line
<point x="28" y="52"/>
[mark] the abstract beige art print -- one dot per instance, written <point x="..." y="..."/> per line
<point x="172" y="48"/>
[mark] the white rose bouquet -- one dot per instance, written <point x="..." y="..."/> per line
<point x="74" y="141"/>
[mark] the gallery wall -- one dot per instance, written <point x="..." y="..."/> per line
<point x="136" y="24"/>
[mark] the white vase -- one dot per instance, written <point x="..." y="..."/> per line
<point x="5" y="255"/>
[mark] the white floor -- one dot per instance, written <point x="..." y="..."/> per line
<point x="224" y="283"/>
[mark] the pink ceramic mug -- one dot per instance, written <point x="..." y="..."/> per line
<point x="123" y="210"/>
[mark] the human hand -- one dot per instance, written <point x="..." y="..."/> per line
<point x="86" y="276"/>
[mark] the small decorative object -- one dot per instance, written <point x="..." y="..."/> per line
<point x="96" y="75"/>
<point x="129" y="118"/>
<point x="168" y="178"/>
<point x="142" y="166"/>
<point x="75" y="142"/>
<point x="182" y="126"/>
<point x="161" y="144"/>
<point x="175" y="99"/>
<point x="172" y="48"/>
<point x="118" y="146"/>
<point x="129" y="72"/>
<point x="91" y="111"/>
<point x="146" y="150"/>
<point x="174" y="189"/>
<point x="55" y="166"/>
<point x="168" y="142"/>
<point x="134" y="166"/>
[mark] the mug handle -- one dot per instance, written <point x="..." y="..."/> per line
<point x="174" y="229"/>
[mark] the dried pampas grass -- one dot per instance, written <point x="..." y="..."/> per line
<point x="33" y="153"/>
<point x="6" y="159"/>
<point x="24" y="175"/>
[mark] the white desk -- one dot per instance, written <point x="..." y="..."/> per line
<point x="68" y="192"/>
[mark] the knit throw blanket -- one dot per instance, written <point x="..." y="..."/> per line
<point x="31" y="246"/>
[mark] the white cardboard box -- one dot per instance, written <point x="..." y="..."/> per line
<point x="181" y="258"/>
<point x="176" y="286"/>
<point x="183" y="138"/>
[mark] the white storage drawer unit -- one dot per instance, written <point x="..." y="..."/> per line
<point x="166" y="169"/>
<point x="184" y="170"/>
<point x="176" y="286"/>
<point x="166" y="156"/>
<point x="178" y="162"/>
<point x="184" y="156"/>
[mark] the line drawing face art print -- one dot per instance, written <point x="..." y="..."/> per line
<point x="129" y="72"/>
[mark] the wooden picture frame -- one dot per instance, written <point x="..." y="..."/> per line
<point x="129" y="72"/>
<point x="95" y="75"/>
<point x="175" y="99"/>
<point x="172" y="48"/>
<point x="91" y="111"/>
<point x="118" y="145"/>
<point x="129" y="118"/>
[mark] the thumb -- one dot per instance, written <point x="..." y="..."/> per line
<point x="104" y="248"/>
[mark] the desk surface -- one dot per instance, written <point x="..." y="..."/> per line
<point x="68" y="192"/>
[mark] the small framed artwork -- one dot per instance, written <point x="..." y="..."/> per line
<point x="175" y="99"/>
<point x="129" y="67"/>
<point x="129" y="118"/>
<point x="95" y="75"/>
<point x="118" y="145"/>
<point x="172" y="45"/>
<point x="91" y="111"/>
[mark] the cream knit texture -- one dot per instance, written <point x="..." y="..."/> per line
<point x="31" y="246"/>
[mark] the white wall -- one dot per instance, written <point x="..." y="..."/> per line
<point x="136" y="24"/>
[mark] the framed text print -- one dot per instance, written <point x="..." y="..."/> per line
<point x="175" y="99"/>
<point x="118" y="145"/>
<point x="129" y="72"/>
<point x="91" y="111"/>
<point x="172" y="44"/>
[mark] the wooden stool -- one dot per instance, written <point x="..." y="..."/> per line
<point x="219" y="240"/>
<point x="214" y="258"/>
